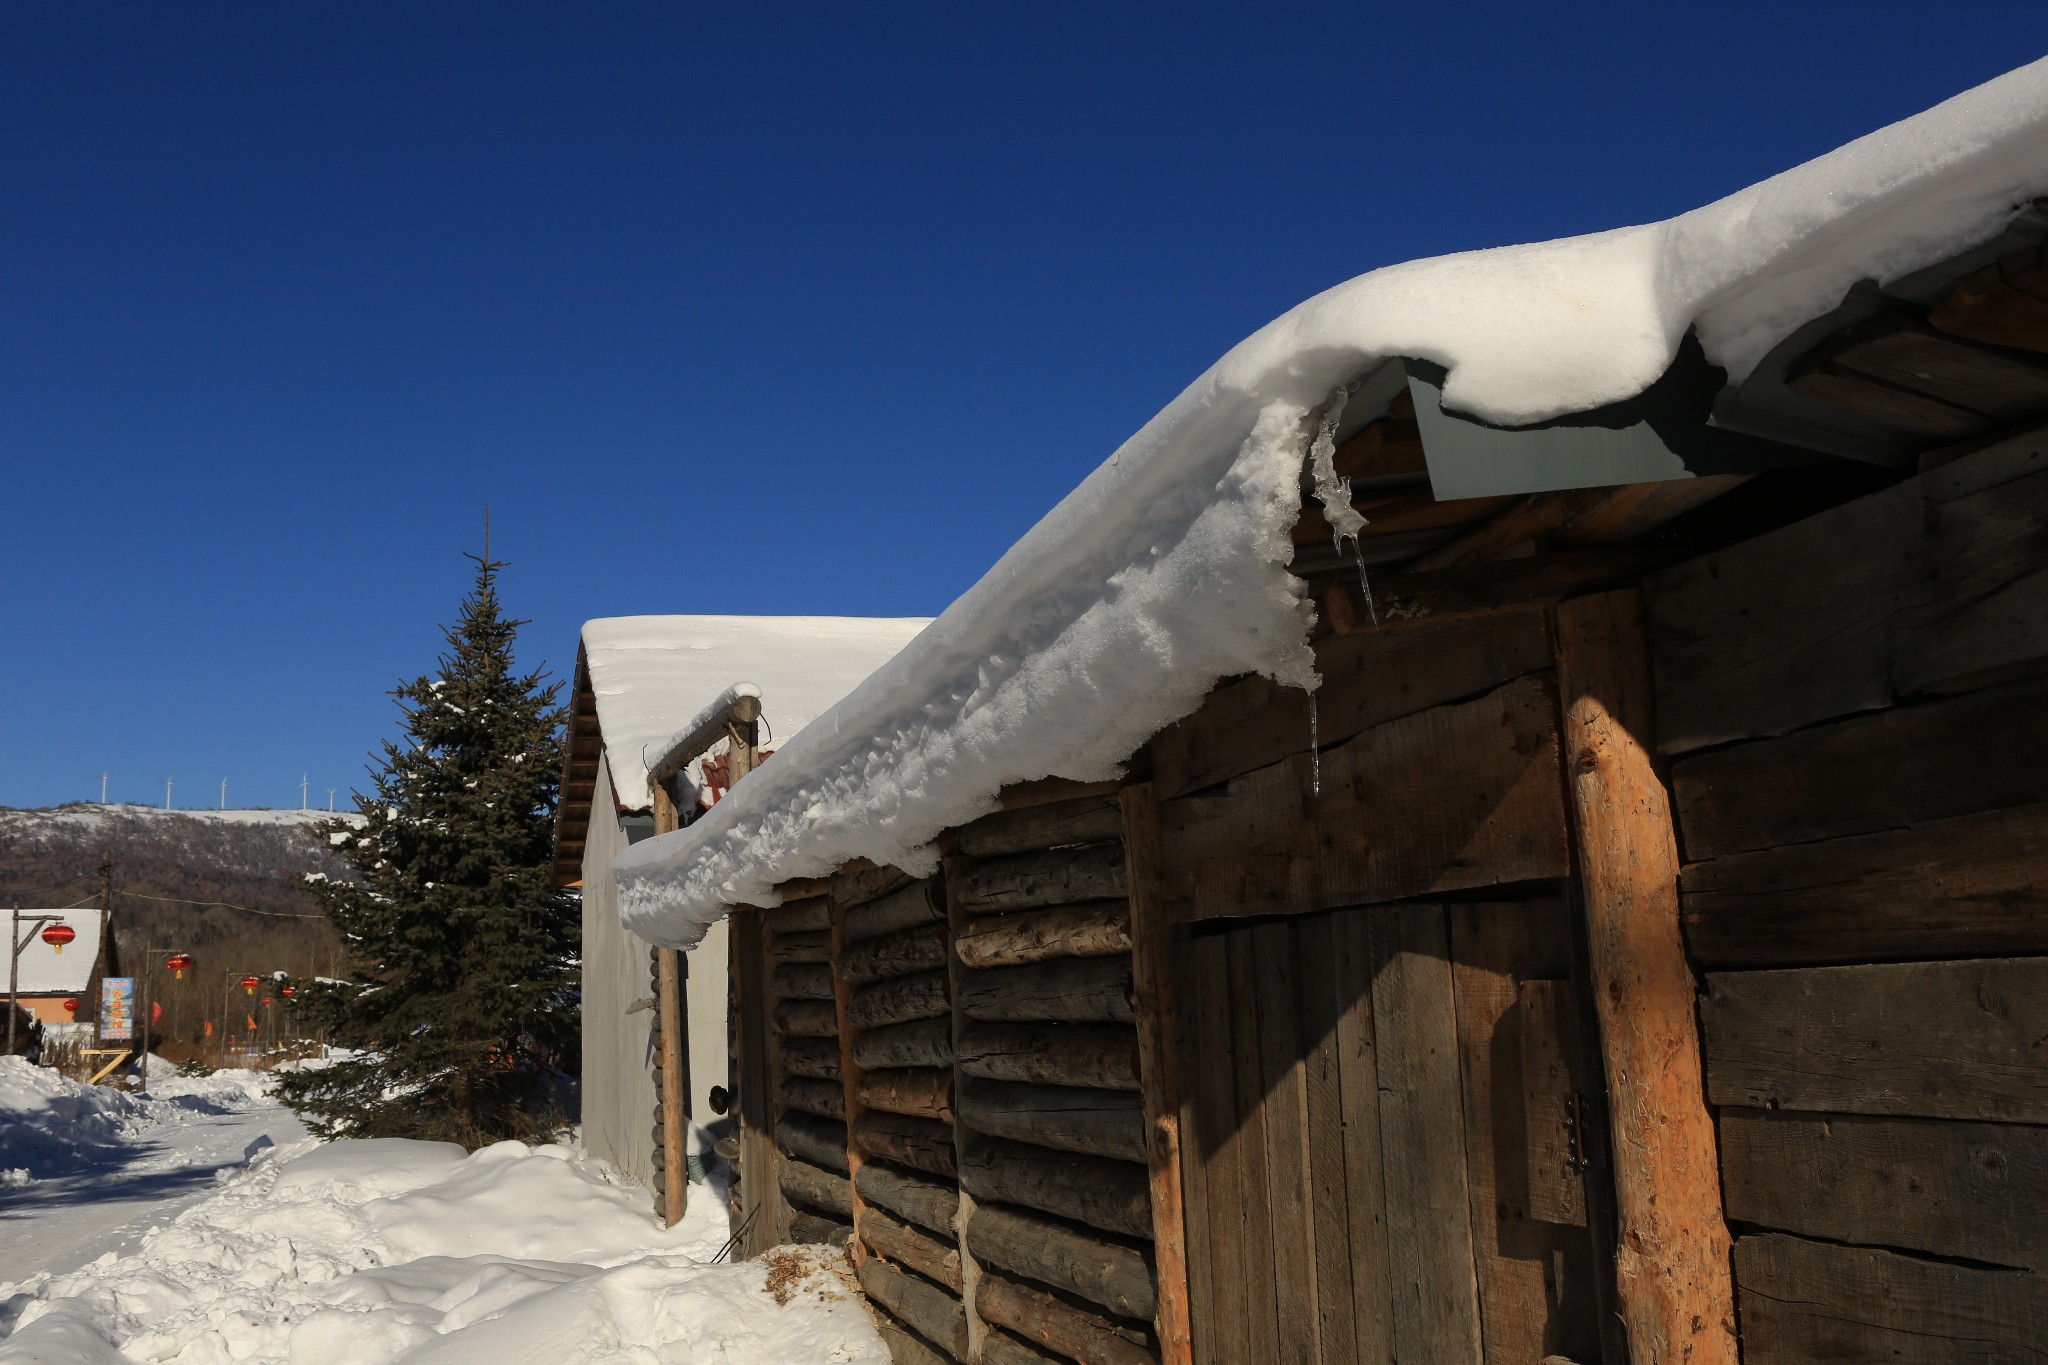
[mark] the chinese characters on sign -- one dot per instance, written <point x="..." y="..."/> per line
<point x="117" y="1009"/>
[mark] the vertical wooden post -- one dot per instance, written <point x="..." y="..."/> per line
<point x="759" y="1182"/>
<point x="1158" y="1069"/>
<point x="970" y="1265"/>
<point x="669" y="969"/>
<point x="1672" y="1262"/>
<point x="850" y="1076"/>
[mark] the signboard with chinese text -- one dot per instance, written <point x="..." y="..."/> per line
<point x="117" y="1009"/>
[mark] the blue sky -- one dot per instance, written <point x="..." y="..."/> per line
<point x="289" y="291"/>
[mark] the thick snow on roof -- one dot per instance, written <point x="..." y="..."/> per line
<point x="653" y="675"/>
<point x="44" y="970"/>
<point x="1165" y="570"/>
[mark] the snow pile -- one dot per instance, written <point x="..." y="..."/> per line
<point x="1165" y="569"/>
<point x="366" y="1252"/>
<point x="50" y="1124"/>
<point x="653" y="675"/>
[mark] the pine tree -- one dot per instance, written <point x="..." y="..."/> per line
<point x="462" y="998"/>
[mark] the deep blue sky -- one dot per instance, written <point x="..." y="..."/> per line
<point x="289" y="291"/>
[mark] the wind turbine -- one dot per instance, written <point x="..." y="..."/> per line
<point x="330" y="799"/>
<point x="223" y="793"/>
<point x="302" y="789"/>
<point x="103" y="789"/>
<point x="167" y="791"/>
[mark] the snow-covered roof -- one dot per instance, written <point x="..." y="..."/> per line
<point x="1166" y="569"/>
<point x="653" y="675"/>
<point x="44" y="970"/>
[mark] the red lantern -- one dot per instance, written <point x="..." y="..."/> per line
<point x="59" y="934"/>
<point x="249" y="984"/>
<point x="288" y="991"/>
<point x="71" y="1004"/>
<point x="178" y="962"/>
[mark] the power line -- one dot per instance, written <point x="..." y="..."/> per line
<point x="221" y="905"/>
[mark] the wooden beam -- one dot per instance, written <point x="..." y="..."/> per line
<point x="951" y="875"/>
<point x="1471" y="589"/>
<point x="2005" y="304"/>
<point x="1158" y="1070"/>
<point x="1676" y="1292"/>
<point x="669" y="972"/>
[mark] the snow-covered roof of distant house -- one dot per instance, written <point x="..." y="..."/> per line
<point x="652" y="675"/>
<point x="44" y="970"/>
<point x="1167" y="568"/>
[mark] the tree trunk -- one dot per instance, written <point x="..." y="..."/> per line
<point x="824" y="1098"/>
<point x="817" y="1057"/>
<point x="922" y="1042"/>
<point x="927" y="1203"/>
<point x="1089" y="1338"/>
<point x="1112" y="1195"/>
<point x="923" y="1144"/>
<point x="921" y="949"/>
<point x="1116" y="1276"/>
<point x="897" y="1002"/>
<point x="822" y="1142"/>
<point x="1097" y="929"/>
<point x="924" y="1093"/>
<point x="803" y="981"/>
<point x="807" y="1019"/>
<point x="935" y="1260"/>
<point x="818" y="1188"/>
<point x="918" y="903"/>
<point x="931" y="1311"/>
<point x="1060" y="876"/>
<point x="1099" y="1056"/>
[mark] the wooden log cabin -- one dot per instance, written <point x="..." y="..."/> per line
<point x="1633" y="950"/>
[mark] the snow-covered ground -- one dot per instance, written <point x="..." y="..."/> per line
<point x="367" y="1252"/>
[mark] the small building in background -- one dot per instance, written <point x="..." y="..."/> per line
<point x="49" y="976"/>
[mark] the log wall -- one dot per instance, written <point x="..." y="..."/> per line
<point x="1855" y="710"/>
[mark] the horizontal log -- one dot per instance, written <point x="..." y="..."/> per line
<point x="861" y="881"/>
<point x="1809" y="1301"/>
<point x="1100" y="1056"/>
<point x="1072" y="990"/>
<point x="905" y="1346"/>
<point x="898" y="1002"/>
<point x="923" y="1144"/>
<point x="1002" y="1348"/>
<point x="817" y="1229"/>
<point x="802" y="981"/>
<point x="1953" y="1040"/>
<point x="1112" y="1195"/>
<point x="1114" y="1274"/>
<point x="1967" y="1190"/>
<point x="1084" y="820"/>
<point x="931" y="1204"/>
<point x="1058" y="876"/>
<point x="817" y="1057"/>
<point x="919" y="903"/>
<point x="827" y="1099"/>
<point x="911" y="1247"/>
<point x="807" y="1019"/>
<point x="928" y="1310"/>
<point x="1094" y="929"/>
<point x="1976" y="886"/>
<point x="919" y="949"/>
<point x="1071" y="1118"/>
<point x="822" y="1142"/>
<point x="810" y="946"/>
<point x="921" y="1042"/>
<point x="923" y="1092"/>
<point x="1032" y="1313"/>
<point x="811" y="915"/>
<point x="815" y="1186"/>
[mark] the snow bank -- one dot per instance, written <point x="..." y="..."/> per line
<point x="50" y="1124"/>
<point x="1165" y="569"/>
<point x="368" y="1252"/>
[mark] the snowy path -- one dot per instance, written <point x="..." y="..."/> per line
<point x="59" y="1223"/>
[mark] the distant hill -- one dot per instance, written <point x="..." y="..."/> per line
<point x="176" y="873"/>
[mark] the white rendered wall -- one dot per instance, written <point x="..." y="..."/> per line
<point x="618" y="1048"/>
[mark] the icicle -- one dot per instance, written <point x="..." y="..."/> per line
<point x="1315" y="751"/>
<point x="1334" y="491"/>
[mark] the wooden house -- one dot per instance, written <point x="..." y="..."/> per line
<point x="639" y="680"/>
<point x="48" y="975"/>
<point x="1636" y="949"/>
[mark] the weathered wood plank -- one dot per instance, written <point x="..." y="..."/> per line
<point x="918" y="903"/>
<point x="1456" y="797"/>
<point x="1071" y="1118"/>
<point x="1320" y="1011"/>
<point x="1026" y="881"/>
<point x="1791" y="627"/>
<point x="1969" y="1190"/>
<point x="1672" y="1261"/>
<point x="929" y="1310"/>
<point x="1903" y="766"/>
<point x="811" y="915"/>
<point x="849" y="1082"/>
<point x="2004" y="304"/>
<point x="1354" y="964"/>
<point x="1973" y="886"/>
<point x="1102" y="1056"/>
<point x="1246" y="1153"/>
<point x="822" y="1142"/>
<point x="925" y="1092"/>
<point x="1067" y="990"/>
<point x="1957" y="1040"/>
<point x="860" y="881"/>
<point x="803" y="981"/>
<point x="827" y="1099"/>
<point x="898" y="1001"/>
<point x="902" y="953"/>
<point x="817" y="1057"/>
<point x="1369" y="678"/>
<point x="1111" y="1195"/>
<point x="931" y="1204"/>
<point x="908" y="1246"/>
<point x="810" y="946"/>
<point x="1095" y="929"/>
<point x="925" y="1144"/>
<point x="1436" y="1297"/>
<point x="816" y="1186"/>
<point x="807" y="1019"/>
<point x="1088" y="1338"/>
<point x="753" y="1006"/>
<point x="1284" y="1079"/>
<point x="1113" y="1274"/>
<point x="1208" y="1188"/>
<point x="921" y="1042"/>
<point x="1986" y="613"/>
<point x="1087" y="820"/>
<point x="957" y="919"/>
<point x="1807" y="1301"/>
